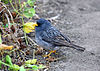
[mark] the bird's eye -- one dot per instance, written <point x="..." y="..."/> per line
<point x="38" y="24"/>
<point x="49" y="20"/>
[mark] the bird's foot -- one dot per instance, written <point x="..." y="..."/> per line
<point x="48" y="55"/>
<point x="52" y="52"/>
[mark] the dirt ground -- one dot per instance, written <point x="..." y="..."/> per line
<point x="80" y="21"/>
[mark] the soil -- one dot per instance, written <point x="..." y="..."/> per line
<point x="80" y="21"/>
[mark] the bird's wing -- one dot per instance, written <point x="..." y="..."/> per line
<point x="52" y="35"/>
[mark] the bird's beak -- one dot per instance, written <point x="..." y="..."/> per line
<point x="35" y="24"/>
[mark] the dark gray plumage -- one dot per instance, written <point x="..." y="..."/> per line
<point x="50" y="38"/>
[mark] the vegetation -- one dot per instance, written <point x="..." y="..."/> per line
<point x="13" y="49"/>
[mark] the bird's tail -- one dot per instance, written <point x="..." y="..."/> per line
<point x="77" y="47"/>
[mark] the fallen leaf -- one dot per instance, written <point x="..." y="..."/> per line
<point x="14" y="14"/>
<point x="5" y="47"/>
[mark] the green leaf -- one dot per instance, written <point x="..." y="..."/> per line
<point x="29" y="12"/>
<point x="33" y="61"/>
<point x="8" y="60"/>
<point x="10" y="0"/>
<point x="4" y="63"/>
<point x="0" y="64"/>
<point x="41" y="66"/>
<point x="0" y="39"/>
<point x="24" y="4"/>
<point x="5" y="1"/>
<point x="5" y="26"/>
<point x="35" y="67"/>
<point x="22" y="68"/>
<point x="31" y="2"/>
<point x="14" y="67"/>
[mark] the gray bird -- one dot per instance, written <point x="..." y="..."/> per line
<point x="48" y="37"/>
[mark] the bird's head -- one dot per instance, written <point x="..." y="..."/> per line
<point x="43" y="23"/>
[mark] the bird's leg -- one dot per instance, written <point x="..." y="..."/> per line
<point x="48" y="55"/>
<point x="51" y="52"/>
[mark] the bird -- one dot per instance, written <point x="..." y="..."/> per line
<point x="50" y="38"/>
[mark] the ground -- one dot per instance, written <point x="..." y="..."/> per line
<point x="80" y="21"/>
<point x="76" y="19"/>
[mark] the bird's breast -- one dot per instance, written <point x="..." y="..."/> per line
<point x="43" y="44"/>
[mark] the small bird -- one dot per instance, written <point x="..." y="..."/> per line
<point x="48" y="37"/>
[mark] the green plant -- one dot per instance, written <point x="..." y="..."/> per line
<point x="5" y="1"/>
<point x="29" y="65"/>
<point x="23" y="9"/>
<point x="26" y="10"/>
